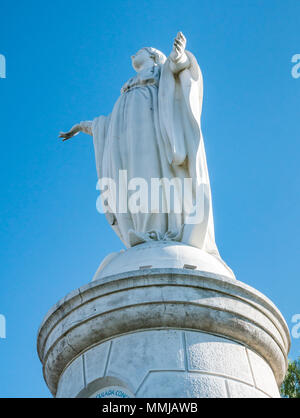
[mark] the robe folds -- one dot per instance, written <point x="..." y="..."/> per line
<point x="154" y="131"/>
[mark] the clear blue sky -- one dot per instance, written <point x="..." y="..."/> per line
<point x="66" y="62"/>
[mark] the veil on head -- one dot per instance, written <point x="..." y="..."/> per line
<point x="158" y="56"/>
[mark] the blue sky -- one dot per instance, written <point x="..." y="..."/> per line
<point x="66" y="62"/>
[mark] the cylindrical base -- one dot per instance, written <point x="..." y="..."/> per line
<point x="168" y="364"/>
<point x="164" y="333"/>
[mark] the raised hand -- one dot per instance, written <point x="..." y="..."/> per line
<point x="178" y="47"/>
<point x="72" y="132"/>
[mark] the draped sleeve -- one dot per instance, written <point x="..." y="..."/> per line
<point x="180" y="105"/>
<point x="99" y="127"/>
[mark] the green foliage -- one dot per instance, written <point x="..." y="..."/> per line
<point x="290" y="387"/>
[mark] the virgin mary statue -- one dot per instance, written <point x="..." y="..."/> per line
<point x="154" y="132"/>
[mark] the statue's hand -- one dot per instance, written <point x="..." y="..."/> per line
<point x="178" y="47"/>
<point x="72" y="132"/>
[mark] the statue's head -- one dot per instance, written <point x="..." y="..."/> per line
<point x="147" y="54"/>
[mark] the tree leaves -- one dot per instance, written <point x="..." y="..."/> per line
<point x="290" y="387"/>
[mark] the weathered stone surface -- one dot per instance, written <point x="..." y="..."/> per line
<point x="169" y="363"/>
<point x="240" y="390"/>
<point x="143" y="351"/>
<point x="182" y="385"/>
<point x="263" y="375"/>
<point x="95" y="361"/>
<point x="72" y="380"/>
<point x="219" y="356"/>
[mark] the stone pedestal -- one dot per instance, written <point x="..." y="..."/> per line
<point x="161" y="319"/>
<point x="164" y="332"/>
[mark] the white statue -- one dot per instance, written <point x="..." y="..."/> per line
<point x="154" y="131"/>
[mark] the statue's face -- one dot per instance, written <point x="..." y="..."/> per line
<point x="140" y="58"/>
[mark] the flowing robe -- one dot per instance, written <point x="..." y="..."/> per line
<point x="154" y="131"/>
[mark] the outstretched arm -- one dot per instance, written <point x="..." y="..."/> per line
<point x="178" y="57"/>
<point x="85" y="127"/>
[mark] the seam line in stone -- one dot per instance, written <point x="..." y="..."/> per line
<point x="83" y="368"/>
<point x="250" y="365"/>
<point x="184" y="347"/>
<point x="142" y="382"/>
<point x="227" y="389"/>
<point x="107" y="358"/>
